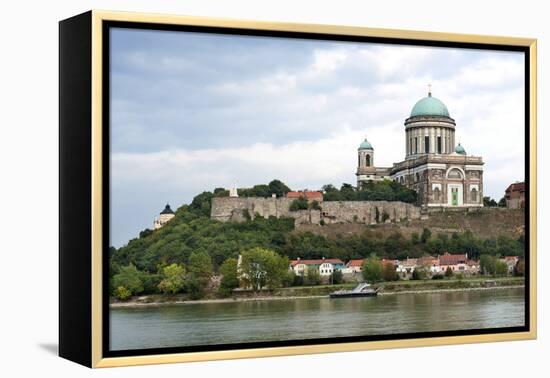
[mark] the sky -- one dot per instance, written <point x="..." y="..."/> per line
<point x="191" y="112"/>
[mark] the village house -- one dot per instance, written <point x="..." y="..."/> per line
<point x="406" y="267"/>
<point x="429" y="263"/>
<point x="511" y="262"/>
<point x="325" y="266"/>
<point x="459" y="263"/>
<point x="354" y="266"/>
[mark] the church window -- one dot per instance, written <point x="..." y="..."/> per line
<point x="417" y="177"/>
<point x="437" y="195"/>
<point x="368" y="160"/>
<point x="473" y="195"/>
<point x="401" y="179"/>
<point x="438" y="144"/>
<point x="426" y="144"/>
<point x="415" y="145"/>
<point x="359" y="160"/>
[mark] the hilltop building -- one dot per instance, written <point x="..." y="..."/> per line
<point x="164" y="217"/>
<point x="442" y="173"/>
<point x="515" y="196"/>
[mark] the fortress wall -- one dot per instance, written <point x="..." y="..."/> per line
<point x="365" y="211"/>
<point x="234" y="209"/>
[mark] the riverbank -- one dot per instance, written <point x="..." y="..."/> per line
<point x="301" y="292"/>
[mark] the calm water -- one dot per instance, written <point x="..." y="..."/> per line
<point x="236" y="322"/>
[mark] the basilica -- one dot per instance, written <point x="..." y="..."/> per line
<point x="442" y="173"/>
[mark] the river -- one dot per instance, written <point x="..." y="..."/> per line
<point x="273" y="320"/>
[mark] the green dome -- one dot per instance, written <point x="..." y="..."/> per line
<point x="365" y="145"/>
<point x="430" y="106"/>
<point x="460" y="150"/>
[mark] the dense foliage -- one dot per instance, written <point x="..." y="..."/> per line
<point x="199" y="246"/>
<point x="385" y="190"/>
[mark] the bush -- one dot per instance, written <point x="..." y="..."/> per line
<point x="298" y="280"/>
<point x="313" y="277"/>
<point x="123" y="293"/>
<point x="314" y="205"/>
<point x="448" y="272"/>
<point x="299" y="204"/>
<point x="438" y="277"/>
<point x="337" y="277"/>
<point x="173" y="279"/>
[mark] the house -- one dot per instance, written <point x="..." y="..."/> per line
<point x="511" y="262"/>
<point x="457" y="263"/>
<point x="309" y="195"/>
<point x="430" y="263"/>
<point x="354" y="266"/>
<point x="515" y="196"/>
<point x="407" y="266"/>
<point x="325" y="266"/>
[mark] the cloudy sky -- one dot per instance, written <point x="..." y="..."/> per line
<point x="191" y="112"/>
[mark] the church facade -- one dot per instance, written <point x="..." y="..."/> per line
<point x="441" y="172"/>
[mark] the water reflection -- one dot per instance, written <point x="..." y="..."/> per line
<point x="236" y="322"/>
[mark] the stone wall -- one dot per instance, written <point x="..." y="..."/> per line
<point x="367" y="212"/>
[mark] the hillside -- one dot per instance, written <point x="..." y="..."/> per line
<point x="484" y="224"/>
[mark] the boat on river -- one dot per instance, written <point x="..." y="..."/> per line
<point x="361" y="290"/>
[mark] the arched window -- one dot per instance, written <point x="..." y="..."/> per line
<point x="401" y="180"/>
<point x="416" y="177"/>
<point x="368" y="160"/>
<point x="359" y="160"/>
<point x="437" y="195"/>
<point x="473" y="195"/>
<point x="454" y="174"/>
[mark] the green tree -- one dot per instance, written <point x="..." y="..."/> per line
<point x="487" y="264"/>
<point x="502" y="202"/>
<point x="278" y="187"/>
<point x="489" y="202"/>
<point x="199" y="274"/>
<point x="519" y="269"/>
<point x="230" y="276"/>
<point x="501" y="268"/>
<point x="173" y="279"/>
<point x="426" y="235"/>
<point x="389" y="273"/>
<point x="122" y="293"/>
<point x="315" y="205"/>
<point x="372" y="270"/>
<point x="129" y="278"/>
<point x="313" y="277"/>
<point x="337" y="277"/>
<point x="448" y="272"/>
<point x="200" y="266"/>
<point x="420" y="273"/>
<point x="298" y="204"/>
<point x="263" y="268"/>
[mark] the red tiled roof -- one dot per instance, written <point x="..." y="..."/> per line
<point x="426" y="260"/>
<point x="388" y="262"/>
<point x="448" y="259"/>
<point x="307" y="194"/>
<point x="353" y="263"/>
<point x="316" y="262"/>
<point x="516" y="187"/>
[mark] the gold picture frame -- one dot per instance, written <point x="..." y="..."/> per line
<point x="90" y="268"/>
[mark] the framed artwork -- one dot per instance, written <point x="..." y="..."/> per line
<point x="234" y="189"/>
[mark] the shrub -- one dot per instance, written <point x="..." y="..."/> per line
<point x="314" y="205"/>
<point x="299" y="204"/>
<point x="437" y="277"/>
<point x="123" y="293"/>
